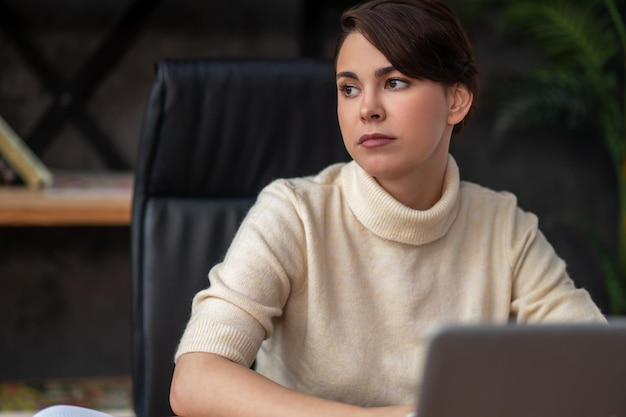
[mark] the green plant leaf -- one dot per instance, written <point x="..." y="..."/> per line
<point x="574" y="34"/>
<point x="547" y="98"/>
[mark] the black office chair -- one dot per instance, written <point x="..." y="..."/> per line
<point x="215" y="132"/>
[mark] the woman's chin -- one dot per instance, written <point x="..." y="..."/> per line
<point x="378" y="168"/>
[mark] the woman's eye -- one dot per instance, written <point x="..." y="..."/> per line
<point x="396" y="83"/>
<point x="348" y="90"/>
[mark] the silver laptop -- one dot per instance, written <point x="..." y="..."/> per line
<point x="526" y="371"/>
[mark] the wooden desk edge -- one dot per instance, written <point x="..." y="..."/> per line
<point x="95" y="202"/>
<point x="75" y="217"/>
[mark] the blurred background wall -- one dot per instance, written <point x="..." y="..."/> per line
<point x="65" y="292"/>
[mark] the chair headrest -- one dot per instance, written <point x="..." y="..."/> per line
<point x="228" y="127"/>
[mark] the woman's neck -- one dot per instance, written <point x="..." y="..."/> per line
<point x="421" y="188"/>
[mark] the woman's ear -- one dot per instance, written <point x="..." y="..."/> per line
<point x="461" y="99"/>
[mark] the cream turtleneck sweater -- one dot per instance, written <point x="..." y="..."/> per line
<point x="335" y="284"/>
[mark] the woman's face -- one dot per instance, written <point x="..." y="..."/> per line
<point x="395" y="127"/>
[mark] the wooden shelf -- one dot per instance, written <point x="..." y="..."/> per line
<point x="74" y="199"/>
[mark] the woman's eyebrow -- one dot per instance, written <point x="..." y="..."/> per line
<point x="379" y="73"/>
<point x="346" y="74"/>
<point x="384" y="71"/>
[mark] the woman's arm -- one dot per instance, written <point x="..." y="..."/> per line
<point x="209" y="385"/>
<point x="542" y="289"/>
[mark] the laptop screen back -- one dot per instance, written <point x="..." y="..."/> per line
<point x="526" y="371"/>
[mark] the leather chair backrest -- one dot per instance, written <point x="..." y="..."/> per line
<point x="215" y="132"/>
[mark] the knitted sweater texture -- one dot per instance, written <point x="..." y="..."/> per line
<point x="333" y="285"/>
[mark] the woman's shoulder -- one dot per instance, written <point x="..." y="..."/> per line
<point x="494" y="205"/>
<point x="306" y="191"/>
<point x="482" y="194"/>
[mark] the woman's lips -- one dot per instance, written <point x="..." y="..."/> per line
<point x="374" y="140"/>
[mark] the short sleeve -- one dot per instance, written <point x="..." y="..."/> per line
<point x="542" y="288"/>
<point x="249" y="289"/>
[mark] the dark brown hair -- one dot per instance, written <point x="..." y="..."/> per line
<point x="421" y="38"/>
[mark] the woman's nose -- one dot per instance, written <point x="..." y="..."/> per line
<point x="371" y="107"/>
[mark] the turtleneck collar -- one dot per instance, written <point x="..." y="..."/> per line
<point x="386" y="217"/>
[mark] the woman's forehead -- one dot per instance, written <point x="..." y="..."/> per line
<point x="357" y="54"/>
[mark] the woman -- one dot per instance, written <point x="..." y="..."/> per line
<point x="333" y="281"/>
